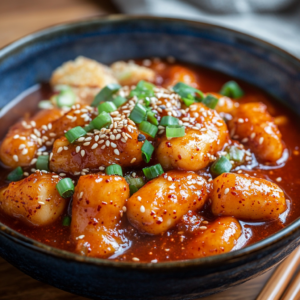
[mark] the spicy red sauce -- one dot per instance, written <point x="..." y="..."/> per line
<point x="171" y="244"/>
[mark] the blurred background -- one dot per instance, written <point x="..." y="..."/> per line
<point x="277" y="21"/>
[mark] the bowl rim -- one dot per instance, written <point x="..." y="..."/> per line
<point x="210" y="261"/>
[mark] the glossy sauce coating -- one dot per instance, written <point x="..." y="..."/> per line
<point x="173" y="243"/>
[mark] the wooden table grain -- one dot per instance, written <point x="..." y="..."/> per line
<point x="21" y="17"/>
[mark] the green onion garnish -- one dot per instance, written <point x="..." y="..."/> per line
<point x="143" y="91"/>
<point x="65" y="187"/>
<point x="188" y="102"/>
<point x="102" y="120"/>
<point x="42" y="162"/>
<point x="147" y="151"/>
<point x="66" y="98"/>
<point x="174" y="131"/>
<point x="66" y="221"/>
<point x="189" y="92"/>
<point x="220" y="166"/>
<point x="148" y="128"/>
<point x="153" y="171"/>
<point x="45" y="104"/>
<point x="106" y="106"/>
<point x="73" y="134"/>
<point x="119" y="101"/>
<point x="151" y="117"/>
<point x="168" y="120"/>
<point x="15" y="175"/>
<point x="232" y="89"/>
<point x="89" y="127"/>
<point x="62" y="87"/>
<point x="138" y="113"/>
<point x="106" y="94"/>
<point x="236" y="154"/>
<point x="114" y="170"/>
<point x="210" y="101"/>
<point x="135" y="183"/>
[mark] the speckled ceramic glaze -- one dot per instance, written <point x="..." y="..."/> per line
<point x="32" y="59"/>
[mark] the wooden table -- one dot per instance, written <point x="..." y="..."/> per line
<point x="18" y="18"/>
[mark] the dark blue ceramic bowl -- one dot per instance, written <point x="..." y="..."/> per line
<point x="32" y="59"/>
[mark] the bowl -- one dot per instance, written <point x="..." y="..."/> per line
<point x="30" y="60"/>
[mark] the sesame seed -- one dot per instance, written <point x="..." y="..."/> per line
<point x="15" y="158"/>
<point x="244" y="140"/>
<point x="26" y="174"/>
<point x="59" y="149"/>
<point x="80" y="195"/>
<point x="202" y="227"/>
<point x="86" y="144"/>
<point x="16" y="136"/>
<point x="50" y="126"/>
<point x="261" y="140"/>
<point x="33" y="161"/>
<point x="135" y="259"/>
<point x="80" y="237"/>
<point x="103" y="147"/>
<point x="107" y="143"/>
<point x="240" y="120"/>
<point x="124" y="208"/>
<point x="253" y="134"/>
<point x="117" y="152"/>
<point x="77" y="149"/>
<point x="133" y="160"/>
<point x="113" y="145"/>
<point x="278" y="179"/>
<point x="82" y="152"/>
<point x="25" y="151"/>
<point x="139" y="198"/>
<point x="81" y="139"/>
<point x="62" y="174"/>
<point x="142" y="209"/>
<point x="94" y="146"/>
<point x="226" y="191"/>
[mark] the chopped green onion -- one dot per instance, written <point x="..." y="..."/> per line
<point x="188" y="102"/>
<point x="210" y="101"/>
<point x="153" y="171"/>
<point x="45" y="104"/>
<point x="73" y="134"/>
<point x="106" y="106"/>
<point x="66" y="221"/>
<point x="119" y="101"/>
<point x="168" y="120"/>
<point x="89" y="127"/>
<point x="151" y="117"/>
<point x="174" y="131"/>
<point x="236" y="154"/>
<point x="232" y="89"/>
<point x="102" y="120"/>
<point x="138" y="113"/>
<point x="143" y="91"/>
<point x="66" y="98"/>
<point x="106" y="93"/>
<point x="62" y="87"/>
<point x="65" y="187"/>
<point x="114" y="170"/>
<point x="186" y="91"/>
<point x="42" y="163"/>
<point x="15" y="175"/>
<point x="135" y="183"/>
<point x="133" y="189"/>
<point x="147" y="150"/>
<point x="220" y="166"/>
<point x="148" y="128"/>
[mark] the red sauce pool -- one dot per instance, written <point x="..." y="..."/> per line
<point x="170" y="245"/>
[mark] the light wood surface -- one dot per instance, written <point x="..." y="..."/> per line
<point x="21" y="17"/>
